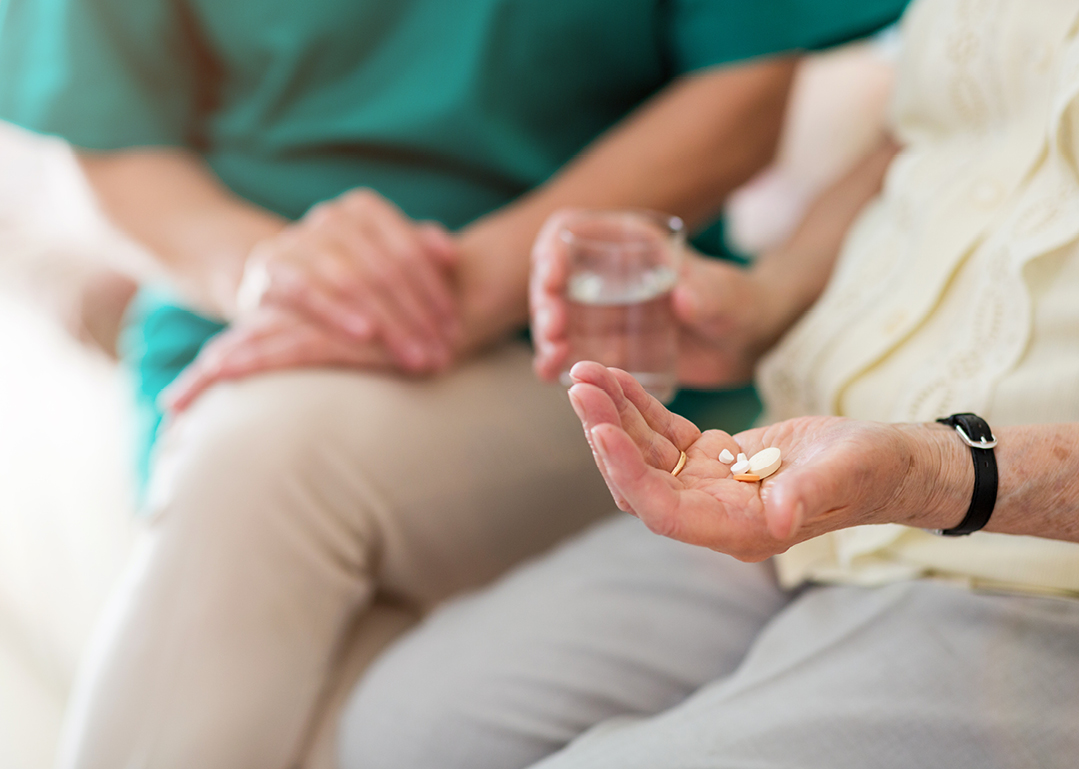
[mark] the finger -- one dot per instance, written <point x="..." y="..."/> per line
<point x="422" y="275"/>
<point x="593" y="407"/>
<point x="317" y="293"/>
<point x="342" y="226"/>
<point x="414" y="348"/>
<point x="550" y="361"/>
<point x="294" y="347"/>
<point x="550" y="339"/>
<point x="418" y="280"/>
<point x="670" y="509"/>
<point x="409" y="330"/>
<point x="659" y="450"/>
<point x="206" y="369"/>
<point x="648" y="491"/>
<point x="550" y="265"/>
<point x="288" y="350"/>
<point x="295" y="271"/>
<point x="687" y="297"/>
<point x="796" y="495"/>
<point x="677" y="429"/>
<point x="547" y="296"/>
<point x="186" y="388"/>
<point x="704" y="291"/>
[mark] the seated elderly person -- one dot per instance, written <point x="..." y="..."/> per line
<point x="869" y="641"/>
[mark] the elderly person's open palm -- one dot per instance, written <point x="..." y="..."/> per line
<point x="836" y="472"/>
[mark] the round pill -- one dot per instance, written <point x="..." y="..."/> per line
<point x="766" y="462"/>
<point x="740" y="467"/>
<point x="743" y="458"/>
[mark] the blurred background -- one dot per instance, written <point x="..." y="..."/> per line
<point x="67" y="519"/>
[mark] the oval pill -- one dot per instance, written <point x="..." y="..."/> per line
<point x="740" y="467"/>
<point x="765" y="462"/>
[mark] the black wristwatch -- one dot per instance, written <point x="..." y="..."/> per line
<point x="976" y="433"/>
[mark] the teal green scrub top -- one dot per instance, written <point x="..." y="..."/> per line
<point x="449" y="108"/>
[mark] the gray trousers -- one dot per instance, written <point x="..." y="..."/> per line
<point x="623" y="650"/>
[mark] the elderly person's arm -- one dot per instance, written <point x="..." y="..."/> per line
<point x="836" y="473"/>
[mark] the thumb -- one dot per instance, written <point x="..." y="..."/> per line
<point x="701" y="291"/>
<point x="793" y="498"/>
<point x="686" y="301"/>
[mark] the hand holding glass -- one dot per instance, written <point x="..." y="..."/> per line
<point x="623" y="266"/>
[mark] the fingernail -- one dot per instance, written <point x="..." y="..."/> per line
<point x="598" y="442"/>
<point x="576" y="404"/>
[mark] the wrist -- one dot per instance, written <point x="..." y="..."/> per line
<point x="492" y="283"/>
<point x="782" y="298"/>
<point x="937" y="489"/>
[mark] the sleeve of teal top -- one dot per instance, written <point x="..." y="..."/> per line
<point x="103" y="74"/>
<point x="703" y="33"/>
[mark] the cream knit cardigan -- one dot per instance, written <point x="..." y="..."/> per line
<point x="958" y="289"/>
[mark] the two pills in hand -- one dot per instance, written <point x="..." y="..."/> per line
<point x="753" y="469"/>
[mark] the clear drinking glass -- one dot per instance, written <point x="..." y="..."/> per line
<point x="623" y="266"/>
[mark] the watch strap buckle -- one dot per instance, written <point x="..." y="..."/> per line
<point x="981" y="443"/>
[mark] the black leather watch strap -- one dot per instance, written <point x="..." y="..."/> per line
<point x="975" y="432"/>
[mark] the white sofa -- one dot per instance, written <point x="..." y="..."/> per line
<point x="65" y="500"/>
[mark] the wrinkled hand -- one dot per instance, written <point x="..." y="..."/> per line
<point x="836" y="472"/>
<point x="363" y="271"/>
<point x="724" y="312"/>
<point x="269" y="339"/>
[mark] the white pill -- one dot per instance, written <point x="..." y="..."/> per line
<point x="740" y="467"/>
<point x="766" y="462"/>
<point x="726" y="457"/>
<point x="743" y="458"/>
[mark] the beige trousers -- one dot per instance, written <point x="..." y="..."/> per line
<point x="299" y="522"/>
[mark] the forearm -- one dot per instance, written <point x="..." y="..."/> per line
<point x="170" y="202"/>
<point x="797" y="272"/>
<point x="682" y="153"/>
<point x="1038" y="489"/>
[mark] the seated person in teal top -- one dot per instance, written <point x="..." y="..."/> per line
<point x="230" y="138"/>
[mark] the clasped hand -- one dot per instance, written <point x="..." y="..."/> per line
<point x="353" y="283"/>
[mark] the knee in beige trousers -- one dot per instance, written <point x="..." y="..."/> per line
<point x="298" y="522"/>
